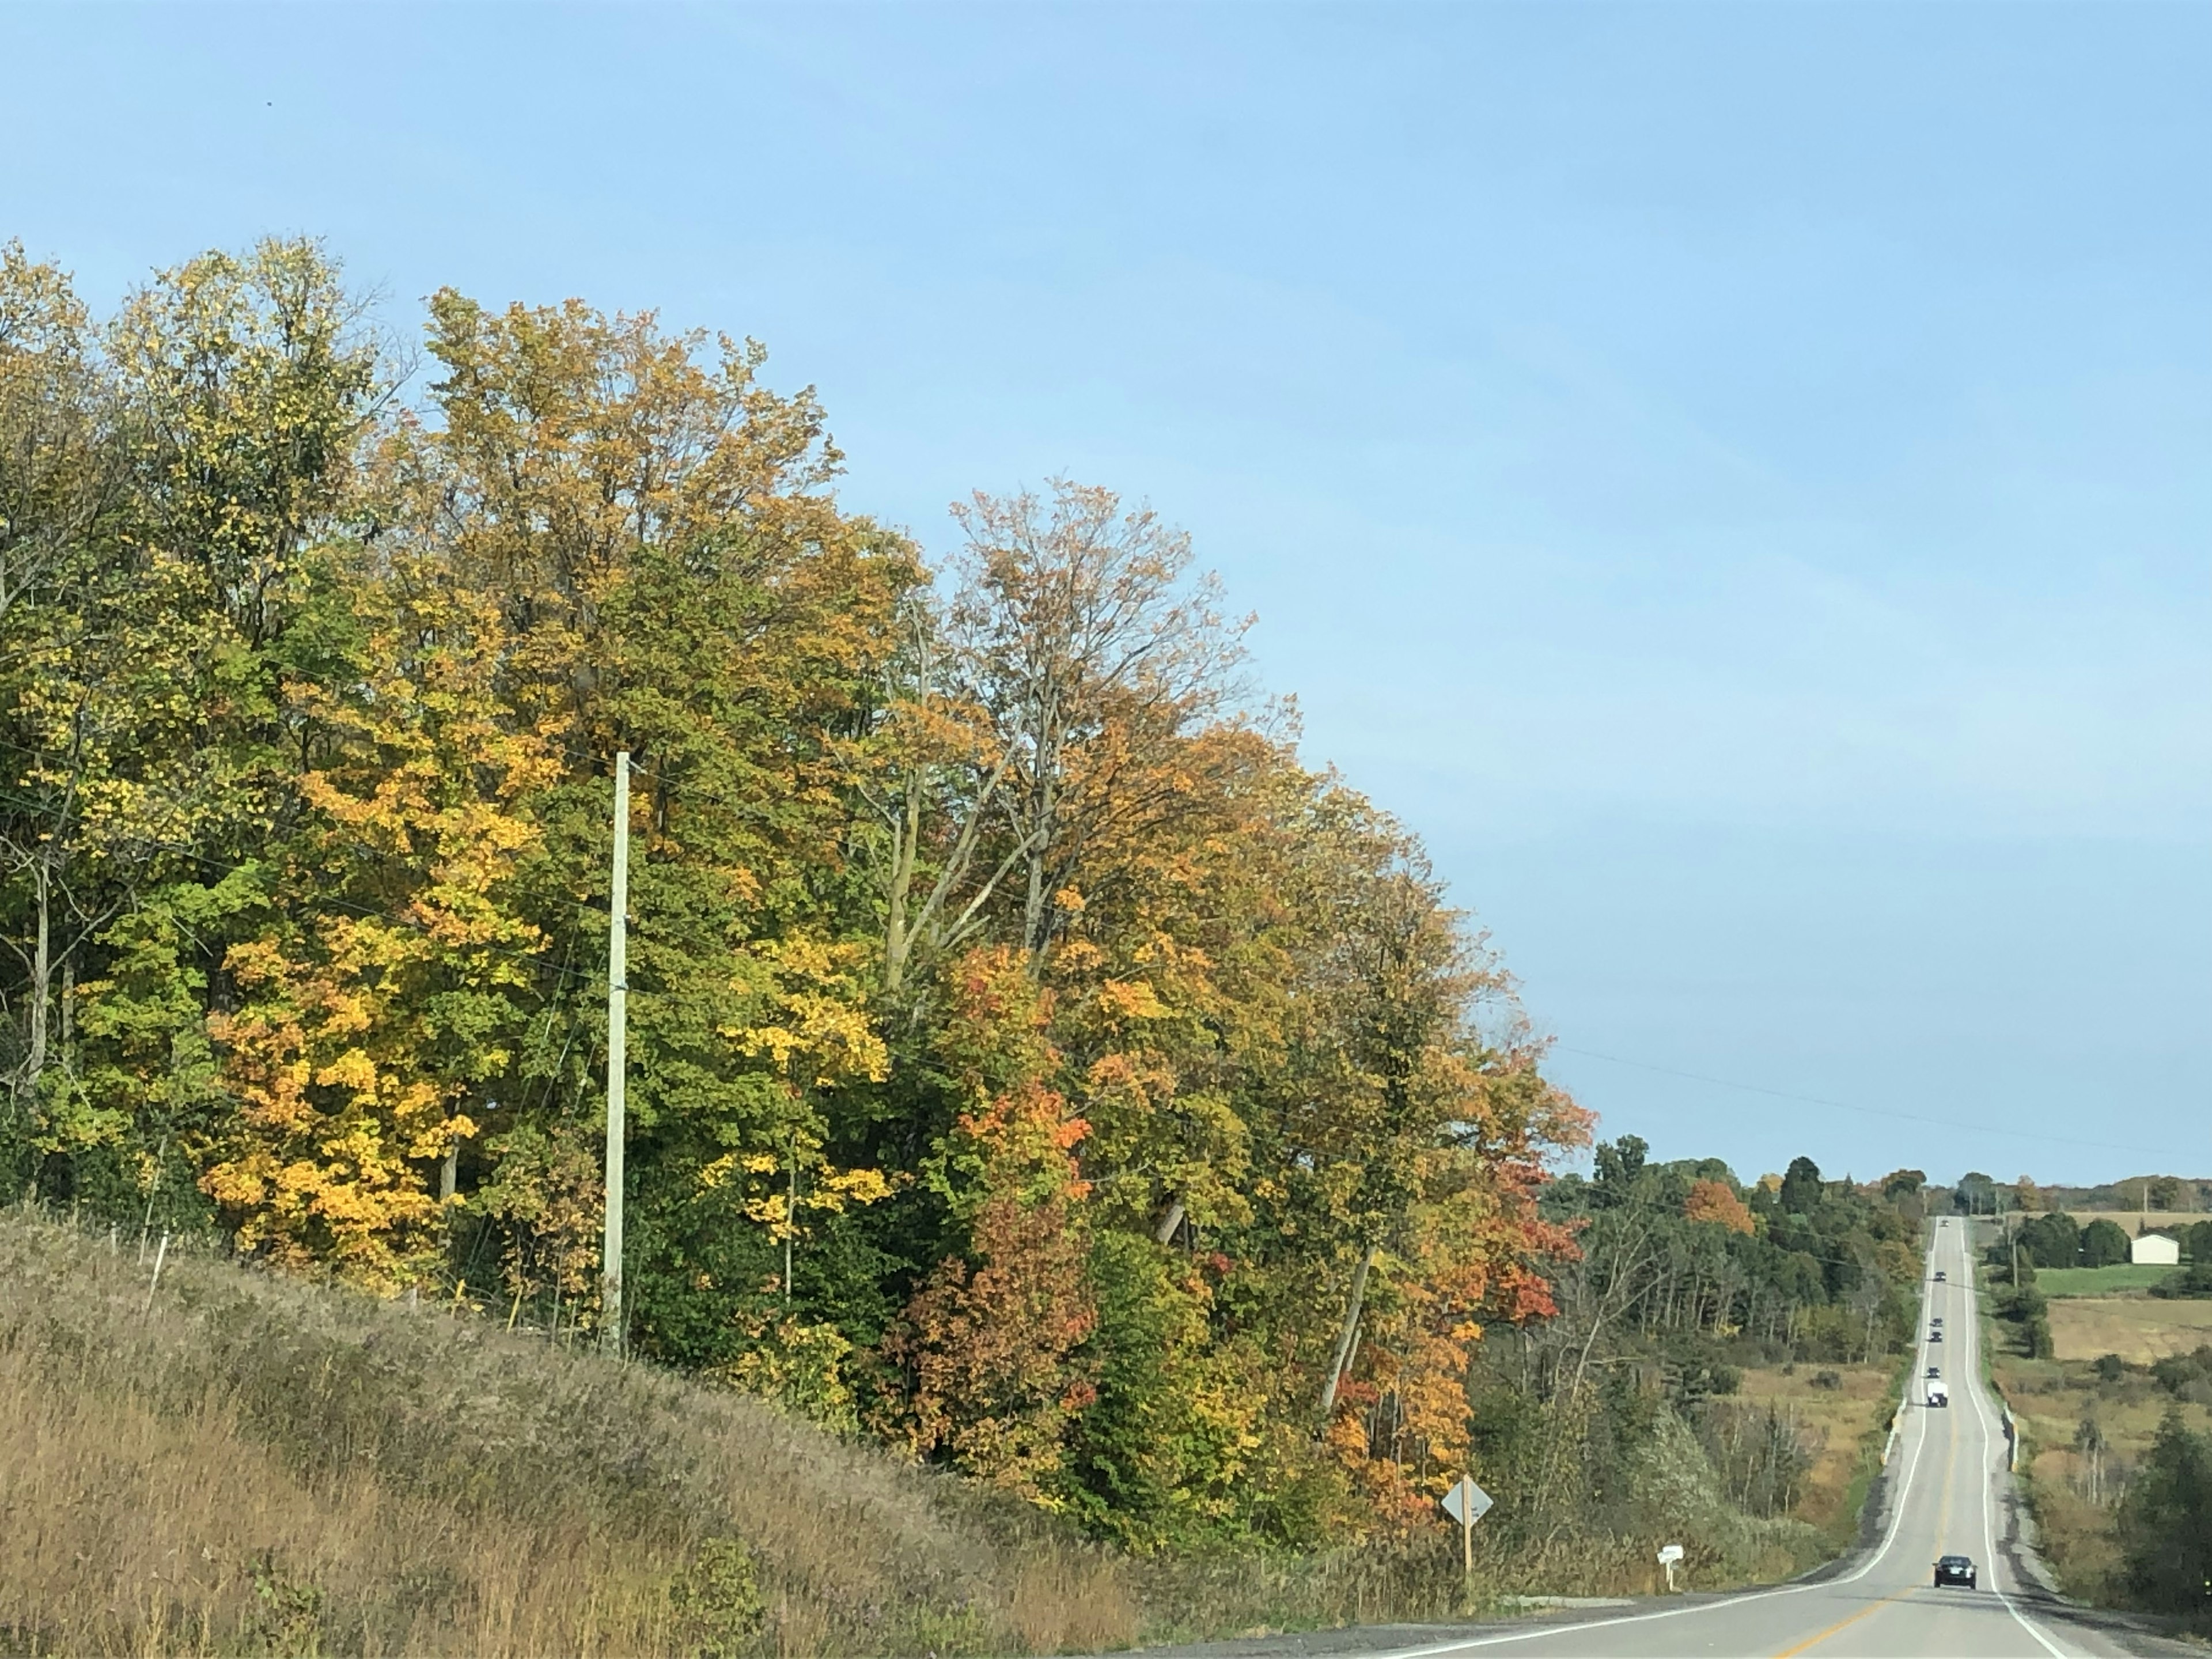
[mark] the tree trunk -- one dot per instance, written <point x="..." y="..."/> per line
<point x="1034" y="915"/>
<point x="1170" y="1219"/>
<point x="42" y="976"/>
<point x="899" y="939"/>
<point x="1341" y="1356"/>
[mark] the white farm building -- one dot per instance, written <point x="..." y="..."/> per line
<point x="2154" y="1250"/>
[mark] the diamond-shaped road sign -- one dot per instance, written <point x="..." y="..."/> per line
<point x="1466" y="1503"/>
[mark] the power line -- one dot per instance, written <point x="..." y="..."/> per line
<point x="1868" y="1111"/>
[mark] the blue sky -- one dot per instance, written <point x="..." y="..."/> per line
<point x="1733" y="479"/>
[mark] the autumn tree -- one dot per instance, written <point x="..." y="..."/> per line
<point x="1076" y="628"/>
<point x="1031" y="1055"/>
<point x="144" y="705"/>
<point x="674" y="580"/>
<point x="989" y="1344"/>
<point x="1716" y="1202"/>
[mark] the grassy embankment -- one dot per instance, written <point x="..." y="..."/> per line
<point x="2073" y="1474"/>
<point x="238" y="1463"/>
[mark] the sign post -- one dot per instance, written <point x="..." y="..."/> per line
<point x="1467" y="1503"/>
<point x="1670" y="1554"/>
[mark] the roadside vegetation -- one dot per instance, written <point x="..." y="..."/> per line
<point x="203" y="1458"/>
<point x="2110" y="1383"/>
<point x="1033" y="1064"/>
<point x="1063" y="1122"/>
<point x="1722" y="1370"/>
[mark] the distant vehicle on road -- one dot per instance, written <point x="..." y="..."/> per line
<point x="1937" y="1319"/>
<point x="1940" y="1276"/>
<point x="1938" y="1395"/>
<point x="1934" y="1371"/>
<point x="1935" y="1333"/>
<point x="1956" y="1569"/>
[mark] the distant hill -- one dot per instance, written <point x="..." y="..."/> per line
<point x="2180" y="1194"/>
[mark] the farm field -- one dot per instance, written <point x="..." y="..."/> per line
<point x="2100" y="1281"/>
<point x="2138" y="1328"/>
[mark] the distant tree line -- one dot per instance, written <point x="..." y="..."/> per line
<point x="1685" y="1276"/>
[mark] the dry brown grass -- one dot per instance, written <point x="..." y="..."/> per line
<point x="2050" y="1399"/>
<point x="2138" y="1328"/>
<point x="1838" y="1419"/>
<point x="258" y="1466"/>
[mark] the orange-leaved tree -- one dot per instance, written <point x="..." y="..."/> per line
<point x="1716" y="1203"/>
<point x="988" y="1346"/>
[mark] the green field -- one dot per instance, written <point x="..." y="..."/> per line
<point x="2100" y="1281"/>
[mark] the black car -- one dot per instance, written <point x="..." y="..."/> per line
<point x="1956" y="1569"/>
<point x="1935" y="1335"/>
<point x="1939" y="1276"/>
<point x="1934" y="1371"/>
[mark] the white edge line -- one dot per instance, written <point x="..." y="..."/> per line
<point x="1974" y="1388"/>
<point x="1896" y="1520"/>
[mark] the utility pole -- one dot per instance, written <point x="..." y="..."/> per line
<point x="611" y="1253"/>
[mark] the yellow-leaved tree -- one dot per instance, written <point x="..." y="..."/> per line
<point x="381" y="1002"/>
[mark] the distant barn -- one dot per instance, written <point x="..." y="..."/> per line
<point x="2154" y="1250"/>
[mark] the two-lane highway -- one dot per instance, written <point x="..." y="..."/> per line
<point x="1947" y="1471"/>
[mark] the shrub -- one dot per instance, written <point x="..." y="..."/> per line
<point x="717" y="1599"/>
<point x="2193" y="1280"/>
<point x="2186" y="1376"/>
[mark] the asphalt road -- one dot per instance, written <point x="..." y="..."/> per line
<point x="1948" y="1495"/>
<point x="1948" y="1471"/>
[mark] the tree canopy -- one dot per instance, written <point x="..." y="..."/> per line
<point x="1033" y="1061"/>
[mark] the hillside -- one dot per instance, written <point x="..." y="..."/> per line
<point x="246" y="1463"/>
<point x="227" y="1460"/>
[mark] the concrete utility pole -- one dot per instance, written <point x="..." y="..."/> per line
<point x="611" y="1253"/>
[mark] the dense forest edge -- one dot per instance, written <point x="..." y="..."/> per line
<point x="1036" y="1070"/>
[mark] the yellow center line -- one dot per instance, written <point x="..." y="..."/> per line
<point x="1841" y="1625"/>
<point x="1943" y="1518"/>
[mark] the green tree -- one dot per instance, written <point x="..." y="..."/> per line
<point x="2104" y="1243"/>
<point x="1802" y="1188"/>
<point x="2050" y="1240"/>
<point x="2164" y="1525"/>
